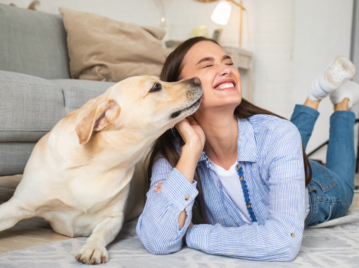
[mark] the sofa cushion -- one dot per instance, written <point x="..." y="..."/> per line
<point x="78" y="92"/>
<point x="32" y="106"/>
<point x="103" y="49"/>
<point x="14" y="156"/>
<point x="29" y="106"/>
<point x="33" y="42"/>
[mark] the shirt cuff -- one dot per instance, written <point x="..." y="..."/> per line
<point x="179" y="190"/>
<point x="197" y="237"/>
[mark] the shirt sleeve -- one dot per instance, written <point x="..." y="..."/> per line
<point x="158" y="227"/>
<point x="280" y="237"/>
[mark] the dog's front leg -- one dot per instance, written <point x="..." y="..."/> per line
<point x="94" y="251"/>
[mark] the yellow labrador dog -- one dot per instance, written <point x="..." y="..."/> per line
<point x="78" y="175"/>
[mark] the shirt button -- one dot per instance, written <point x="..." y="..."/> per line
<point x="238" y="167"/>
<point x="248" y="206"/>
<point x="292" y="235"/>
<point x="241" y="178"/>
<point x="186" y="197"/>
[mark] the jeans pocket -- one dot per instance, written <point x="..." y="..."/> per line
<point x="323" y="177"/>
<point x="321" y="211"/>
<point x="330" y="212"/>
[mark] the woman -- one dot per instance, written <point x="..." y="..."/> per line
<point x="242" y="169"/>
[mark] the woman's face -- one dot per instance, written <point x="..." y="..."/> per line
<point x="220" y="80"/>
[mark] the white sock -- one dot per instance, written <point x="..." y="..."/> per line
<point x="348" y="89"/>
<point x="340" y="70"/>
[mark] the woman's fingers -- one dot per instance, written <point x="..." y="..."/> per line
<point x="158" y="187"/>
<point x="192" y="135"/>
<point x="181" y="135"/>
<point x="181" y="127"/>
<point x="186" y="130"/>
<point x="192" y="120"/>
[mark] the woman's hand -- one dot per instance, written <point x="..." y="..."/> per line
<point x="158" y="190"/>
<point x="158" y="187"/>
<point x="192" y="134"/>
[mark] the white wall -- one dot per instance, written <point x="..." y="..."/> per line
<point x="292" y="41"/>
<point x="355" y="59"/>
<point x="355" y="44"/>
<point x="270" y="36"/>
<point x="268" y="31"/>
<point x="323" y="31"/>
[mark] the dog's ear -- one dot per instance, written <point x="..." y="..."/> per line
<point x="98" y="118"/>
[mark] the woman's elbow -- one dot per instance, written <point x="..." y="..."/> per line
<point x="285" y="249"/>
<point x="160" y="247"/>
<point x="158" y="244"/>
<point x="157" y="250"/>
<point x="291" y="251"/>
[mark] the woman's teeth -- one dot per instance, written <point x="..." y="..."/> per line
<point x="226" y="85"/>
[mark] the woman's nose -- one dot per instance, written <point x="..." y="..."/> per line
<point x="225" y="70"/>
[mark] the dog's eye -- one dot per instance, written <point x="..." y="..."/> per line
<point x="156" y="87"/>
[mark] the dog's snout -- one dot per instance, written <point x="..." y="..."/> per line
<point x="195" y="82"/>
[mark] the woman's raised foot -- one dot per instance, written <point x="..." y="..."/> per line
<point x="340" y="70"/>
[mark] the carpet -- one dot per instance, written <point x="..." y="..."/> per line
<point x="331" y="244"/>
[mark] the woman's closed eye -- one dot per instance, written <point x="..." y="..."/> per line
<point x="210" y="65"/>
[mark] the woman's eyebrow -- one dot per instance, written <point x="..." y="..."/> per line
<point x="225" y="57"/>
<point x="205" y="59"/>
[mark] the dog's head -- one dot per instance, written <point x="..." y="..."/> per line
<point x="143" y="105"/>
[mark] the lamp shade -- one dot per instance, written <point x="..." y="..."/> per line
<point x="221" y="13"/>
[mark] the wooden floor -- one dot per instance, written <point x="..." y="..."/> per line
<point x="36" y="231"/>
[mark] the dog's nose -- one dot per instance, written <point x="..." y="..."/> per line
<point x="195" y="82"/>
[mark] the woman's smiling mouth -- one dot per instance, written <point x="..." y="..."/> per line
<point x="227" y="84"/>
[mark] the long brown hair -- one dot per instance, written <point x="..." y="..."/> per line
<point x="164" y="147"/>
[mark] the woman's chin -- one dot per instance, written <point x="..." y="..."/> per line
<point x="222" y="98"/>
<point x="229" y="92"/>
<point x="227" y="103"/>
<point x="228" y="97"/>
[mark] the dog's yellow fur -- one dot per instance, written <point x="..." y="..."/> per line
<point x="78" y="174"/>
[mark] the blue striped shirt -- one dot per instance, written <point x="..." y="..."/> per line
<point x="271" y="162"/>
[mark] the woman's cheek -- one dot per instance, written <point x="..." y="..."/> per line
<point x="208" y="96"/>
<point x="207" y="79"/>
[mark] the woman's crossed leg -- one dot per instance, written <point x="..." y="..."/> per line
<point x="332" y="188"/>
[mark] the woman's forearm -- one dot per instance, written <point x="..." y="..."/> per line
<point x="157" y="226"/>
<point x="188" y="162"/>
<point x="187" y="166"/>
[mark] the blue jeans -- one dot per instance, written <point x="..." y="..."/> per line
<point x="331" y="190"/>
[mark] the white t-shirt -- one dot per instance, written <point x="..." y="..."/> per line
<point x="230" y="181"/>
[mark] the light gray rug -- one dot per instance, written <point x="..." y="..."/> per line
<point x="336" y="245"/>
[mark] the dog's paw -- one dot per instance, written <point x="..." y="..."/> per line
<point x="92" y="253"/>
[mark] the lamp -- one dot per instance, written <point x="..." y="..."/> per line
<point x="222" y="12"/>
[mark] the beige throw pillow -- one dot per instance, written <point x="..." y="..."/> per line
<point x="103" y="49"/>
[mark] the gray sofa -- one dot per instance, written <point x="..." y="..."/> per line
<point x="36" y="90"/>
<point x="35" y="86"/>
